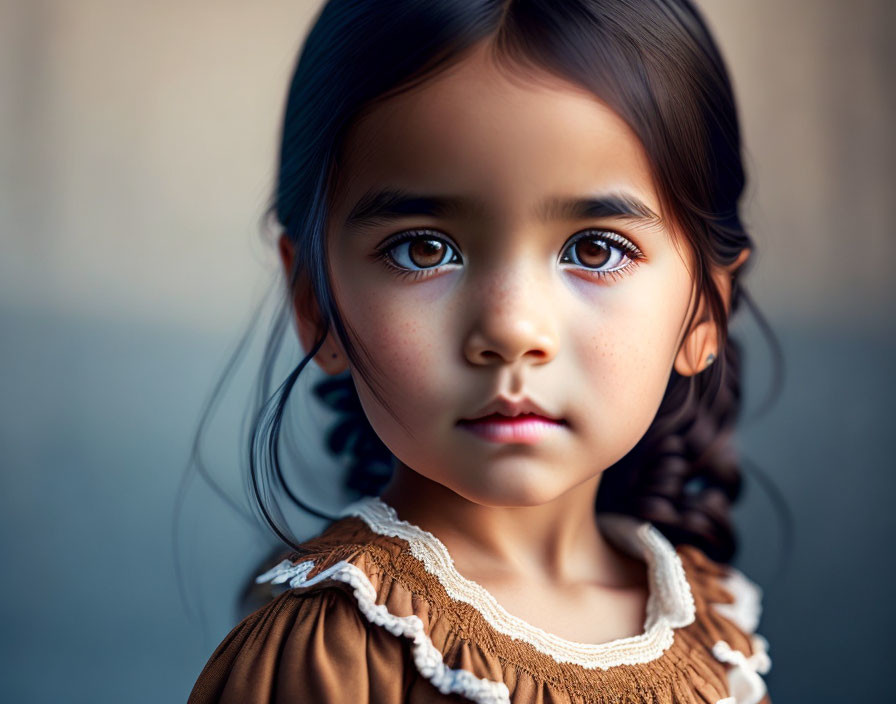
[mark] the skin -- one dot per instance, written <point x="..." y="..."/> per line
<point x="510" y="318"/>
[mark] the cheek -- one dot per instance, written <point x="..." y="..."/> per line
<point x="627" y="356"/>
<point x="405" y="342"/>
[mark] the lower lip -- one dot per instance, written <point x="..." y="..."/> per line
<point x="525" y="429"/>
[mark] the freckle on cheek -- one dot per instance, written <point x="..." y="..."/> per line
<point x="405" y="347"/>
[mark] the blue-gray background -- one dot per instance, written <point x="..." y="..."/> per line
<point x="137" y="147"/>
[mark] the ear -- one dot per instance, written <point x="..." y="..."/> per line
<point x="309" y="321"/>
<point x="700" y="346"/>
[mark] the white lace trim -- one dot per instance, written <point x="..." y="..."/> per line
<point x="744" y="682"/>
<point x="427" y="659"/>
<point x="747" y="607"/>
<point x="670" y="604"/>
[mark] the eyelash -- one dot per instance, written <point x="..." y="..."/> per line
<point x="383" y="253"/>
<point x="628" y="249"/>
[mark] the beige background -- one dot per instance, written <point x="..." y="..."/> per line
<point x="139" y="142"/>
<point x="137" y="152"/>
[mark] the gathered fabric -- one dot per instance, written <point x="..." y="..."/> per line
<point x="373" y="610"/>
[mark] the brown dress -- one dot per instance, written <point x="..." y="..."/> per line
<point x="373" y="610"/>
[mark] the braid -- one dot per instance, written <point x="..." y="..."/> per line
<point x="683" y="475"/>
<point x="369" y="461"/>
<point x="677" y="98"/>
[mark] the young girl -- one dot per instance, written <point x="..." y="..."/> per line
<point x="514" y="225"/>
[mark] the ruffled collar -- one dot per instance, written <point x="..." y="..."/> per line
<point x="465" y="643"/>
<point x="670" y="603"/>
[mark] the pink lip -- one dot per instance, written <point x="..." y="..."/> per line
<point x="522" y="429"/>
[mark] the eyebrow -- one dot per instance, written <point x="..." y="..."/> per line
<point x="383" y="205"/>
<point x="609" y="205"/>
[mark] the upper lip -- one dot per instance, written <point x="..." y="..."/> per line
<point x="509" y="407"/>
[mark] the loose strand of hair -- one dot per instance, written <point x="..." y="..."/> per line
<point x="264" y="455"/>
<point x="778" y="361"/>
<point x="786" y="521"/>
<point x="196" y="465"/>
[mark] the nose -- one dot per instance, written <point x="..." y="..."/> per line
<point x="512" y="320"/>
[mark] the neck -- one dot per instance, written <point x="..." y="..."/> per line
<point x="558" y="541"/>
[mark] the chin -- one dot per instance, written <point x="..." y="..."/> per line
<point x="520" y="489"/>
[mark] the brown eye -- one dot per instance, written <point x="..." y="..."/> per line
<point x="418" y="251"/>
<point x="592" y="252"/>
<point x="425" y="252"/>
<point x="601" y="252"/>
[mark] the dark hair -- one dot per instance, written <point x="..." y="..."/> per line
<point x="655" y="64"/>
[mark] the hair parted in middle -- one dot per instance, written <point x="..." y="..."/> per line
<point x="655" y="64"/>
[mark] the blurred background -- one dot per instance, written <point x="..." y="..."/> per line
<point x="137" y="151"/>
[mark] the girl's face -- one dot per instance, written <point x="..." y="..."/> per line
<point x="480" y="249"/>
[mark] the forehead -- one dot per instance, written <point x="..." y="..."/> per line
<point x="501" y="136"/>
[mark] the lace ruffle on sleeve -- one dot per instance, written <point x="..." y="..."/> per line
<point x="304" y="647"/>
<point x="729" y="609"/>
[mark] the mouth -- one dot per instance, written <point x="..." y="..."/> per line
<point x="523" y="428"/>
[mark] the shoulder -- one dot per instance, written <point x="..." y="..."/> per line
<point x="722" y="588"/>
<point x="728" y="610"/>
<point x="353" y="621"/>
<point x="312" y="646"/>
<point x="313" y="641"/>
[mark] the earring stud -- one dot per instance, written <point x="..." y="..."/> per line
<point x="710" y="358"/>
